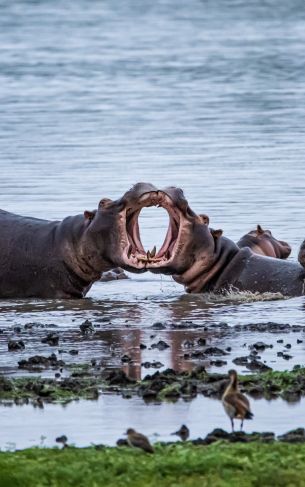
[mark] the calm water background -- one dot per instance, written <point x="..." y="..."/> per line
<point x="206" y="95"/>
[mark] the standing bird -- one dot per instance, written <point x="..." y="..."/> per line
<point x="183" y="432"/>
<point x="234" y="402"/>
<point x="137" y="440"/>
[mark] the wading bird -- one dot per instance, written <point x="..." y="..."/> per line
<point x="137" y="440"/>
<point x="234" y="402"/>
<point x="183" y="432"/>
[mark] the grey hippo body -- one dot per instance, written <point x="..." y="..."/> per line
<point x="206" y="261"/>
<point x="40" y="258"/>
<point x="62" y="259"/>
<point x="248" y="271"/>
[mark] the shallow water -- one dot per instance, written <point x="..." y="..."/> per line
<point x="106" y="420"/>
<point x="205" y="95"/>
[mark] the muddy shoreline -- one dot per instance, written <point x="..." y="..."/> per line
<point x="90" y="381"/>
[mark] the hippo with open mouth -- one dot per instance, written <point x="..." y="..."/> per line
<point x="62" y="259"/>
<point x="203" y="260"/>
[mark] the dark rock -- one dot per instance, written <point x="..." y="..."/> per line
<point x="158" y="326"/>
<point x="73" y="351"/>
<point x="15" y="345"/>
<point x="51" y="339"/>
<point x="5" y="384"/>
<point x="299" y="341"/>
<point x="126" y="359"/>
<point x="39" y="361"/>
<point x="197" y="354"/>
<point x="284" y="355"/>
<point x="113" y="275"/>
<point x="86" y="327"/>
<point x="294" y="436"/>
<point x="202" y="342"/>
<point x="214" y="351"/>
<point x="161" y="345"/>
<point x="260" y="346"/>
<point x="149" y="394"/>
<point x="116" y="377"/>
<point x="142" y="346"/>
<point x="257" y="365"/>
<point x="288" y="345"/>
<point x="240" y="360"/>
<point x="218" y="363"/>
<point x="122" y="442"/>
<point x="17" y="329"/>
<point x="154" y="364"/>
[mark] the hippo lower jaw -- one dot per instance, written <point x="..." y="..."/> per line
<point x="134" y="256"/>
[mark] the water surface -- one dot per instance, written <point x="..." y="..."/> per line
<point x="206" y="95"/>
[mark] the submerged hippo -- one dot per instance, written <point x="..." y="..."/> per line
<point x="262" y="242"/>
<point x="62" y="259"/>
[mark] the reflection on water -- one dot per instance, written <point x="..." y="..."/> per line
<point x="123" y="314"/>
<point x="106" y="420"/>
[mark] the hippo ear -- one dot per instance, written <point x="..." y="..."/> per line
<point x="204" y="219"/>
<point x="89" y="215"/>
<point x="216" y="233"/>
<point x="104" y="203"/>
<point x="259" y="230"/>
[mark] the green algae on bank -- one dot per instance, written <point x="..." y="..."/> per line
<point x="183" y="465"/>
<point x="87" y="383"/>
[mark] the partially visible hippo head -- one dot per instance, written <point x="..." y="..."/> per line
<point x="115" y="226"/>
<point x="264" y="243"/>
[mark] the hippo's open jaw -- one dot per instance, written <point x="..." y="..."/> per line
<point x="134" y="254"/>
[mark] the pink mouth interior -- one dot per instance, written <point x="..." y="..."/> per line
<point x="136" y="252"/>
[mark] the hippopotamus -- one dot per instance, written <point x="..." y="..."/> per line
<point x="62" y="259"/>
<point x="203" y="260"/>
<point x="262" y="242"/>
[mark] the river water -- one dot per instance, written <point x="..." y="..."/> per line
<point x="205" y="95"/>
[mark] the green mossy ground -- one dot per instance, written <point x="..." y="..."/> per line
<point x="86" y="384"/>
<point x="179" y="465"/>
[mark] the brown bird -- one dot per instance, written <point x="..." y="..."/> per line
<point x="235" y="404"/>
<point x="183" y="432"/>
<point x="137" y="440"/>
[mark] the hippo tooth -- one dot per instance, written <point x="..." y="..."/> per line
<point x="153" y="252"/>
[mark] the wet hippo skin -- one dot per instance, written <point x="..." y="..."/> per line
<point x="46" y="259"/>
<point x="262" y="242"/>
<point x="62" y="259"/>
<point x="203" y="260"/>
